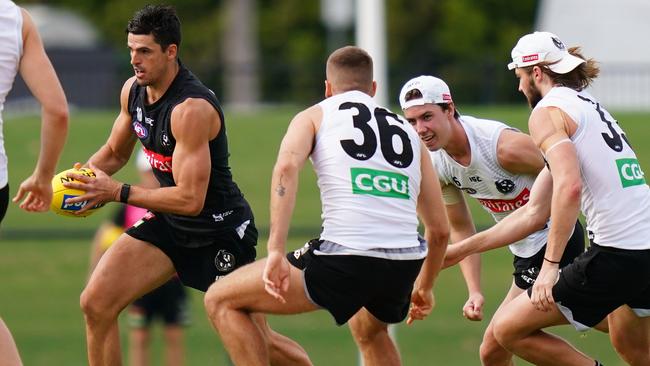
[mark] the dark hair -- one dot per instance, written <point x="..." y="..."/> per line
<point x="577" y="79"/>
<point x="413" y="94"/>
<point x="445" y="107"/>
<point x="160" y="21"/>
<point x="417" y="94"/>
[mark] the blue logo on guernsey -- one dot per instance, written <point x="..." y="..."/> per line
<point x="140" y="130"/>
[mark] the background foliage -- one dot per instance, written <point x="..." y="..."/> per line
<point x="467" y="42"/>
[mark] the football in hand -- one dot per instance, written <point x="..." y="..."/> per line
<point x="60" y="194"/>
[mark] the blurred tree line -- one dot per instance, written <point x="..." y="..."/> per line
<point x="466" y="42"/>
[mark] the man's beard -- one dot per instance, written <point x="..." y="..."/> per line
<point x="534" y="94"/>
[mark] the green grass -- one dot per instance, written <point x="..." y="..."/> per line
<point x="43" y="257"/>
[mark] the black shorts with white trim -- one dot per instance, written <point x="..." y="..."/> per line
<point x="527" y="269"/>
<point x="210" y="258"/>
<point x="343" y="284"/>
<point x="601" y="280"/>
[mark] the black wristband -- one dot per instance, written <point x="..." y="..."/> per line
<point x="124" y="192"/>
<point x="550" y="261"/>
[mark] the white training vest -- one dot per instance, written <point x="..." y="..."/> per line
<point x="615" y="196"/>
<point x="11" y="46"/>
<point x="498" y="191"/>
<point x="367" y="161"/>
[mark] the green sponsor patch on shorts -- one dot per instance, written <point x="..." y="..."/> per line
<point x="379" y="183"/>
<point x="630" y="172"/>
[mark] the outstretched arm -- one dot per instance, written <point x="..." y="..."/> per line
<point x="39" y="75"/>
<point x="517" y="154"/>
<point x="294" y="151"/>
<point x="524" y="221"/>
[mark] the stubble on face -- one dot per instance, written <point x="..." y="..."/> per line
<point x="533" y="96"/>
<point x="144" y="58"/>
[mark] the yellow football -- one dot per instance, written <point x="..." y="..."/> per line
<point x="60" y="193"/>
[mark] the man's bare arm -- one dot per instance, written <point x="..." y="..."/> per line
<point x="39" y="76"/>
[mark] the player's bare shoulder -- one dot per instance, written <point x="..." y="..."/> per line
<point x="126" y="90"/>
<point x="195" y="108"/>
<point x="311" y="116"/>
<point x="29" y="28"/>
<point x="195" y="114"/>
<point x="518" y="154"/>
<point x="550" y="123"/>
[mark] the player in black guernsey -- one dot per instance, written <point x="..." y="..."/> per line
<point x="224" y="206"/>
<point x="199" y="225"/>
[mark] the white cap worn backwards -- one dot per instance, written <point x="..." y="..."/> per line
<point x="539" y="47"/>
<point x="432" y="89"/>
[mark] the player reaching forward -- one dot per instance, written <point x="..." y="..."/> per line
<point x="496" y="165"/>
<point x="199" y="225"/>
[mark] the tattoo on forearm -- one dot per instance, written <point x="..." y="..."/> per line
<point x="280" y="189"/>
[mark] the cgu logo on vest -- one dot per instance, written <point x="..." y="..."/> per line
<point x="630" y="172"/>
<point x="379" y="183"/>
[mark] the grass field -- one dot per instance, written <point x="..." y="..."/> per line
<point x="43" y="257"/>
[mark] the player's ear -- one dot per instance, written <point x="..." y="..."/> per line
<point x="452" y="109"/>
<point x="328" y="89"/>
<point x="537" y="73"/>
<point x="172" y="51"/>
<point x="373" y="89"/>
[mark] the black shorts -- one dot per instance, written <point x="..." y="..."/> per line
<point x="343" y="284"/>
<point x="601" y="280"/>
<point x="199" y="267"/>
<point x="4" y="201"/>
<point x="168" y="303"/>
<point x="527" y="269"/>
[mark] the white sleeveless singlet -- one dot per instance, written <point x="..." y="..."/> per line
<point x="11" y="46"/>
<point x="615" y="196"/>
<point x="498" y="191"/>
<point x="367" y="161"/>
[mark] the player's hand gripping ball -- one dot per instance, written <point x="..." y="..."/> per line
<point x="60" y="194"/>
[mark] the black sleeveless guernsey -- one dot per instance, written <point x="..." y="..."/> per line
<point x="225" y="207"/>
